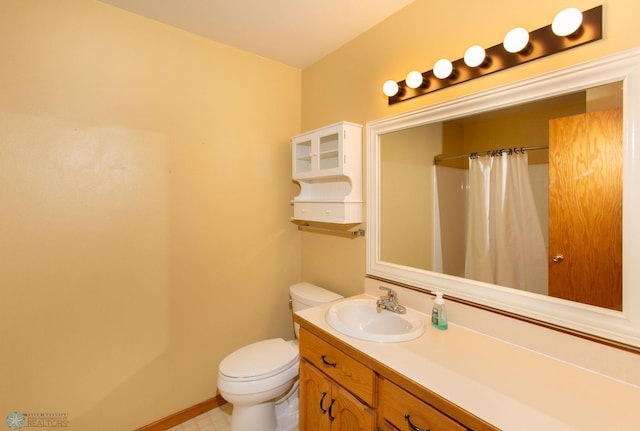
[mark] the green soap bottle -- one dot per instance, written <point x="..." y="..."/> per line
<point x="439" y="313"/>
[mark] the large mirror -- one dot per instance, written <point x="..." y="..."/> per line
<point x="426" y="170"/>
<point x="561" y="248"/>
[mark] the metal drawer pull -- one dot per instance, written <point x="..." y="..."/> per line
<point x="411" y="425"/>
<point x="331" y="417"/>
<point x="324" y="394"/>
<point x="327" y="363"/>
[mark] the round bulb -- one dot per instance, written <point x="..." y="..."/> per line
<point x="567" y="22"/>
<point x="443" y="68"/>
<point x="414" y="79"/>
<point x="474" y="56"/>
<point x="390" y="88"/>
<point x="516" y="40"/>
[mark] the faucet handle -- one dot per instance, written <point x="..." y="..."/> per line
<point x="390" y="292"/>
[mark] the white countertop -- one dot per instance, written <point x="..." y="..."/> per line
<point x="508" y="386"/>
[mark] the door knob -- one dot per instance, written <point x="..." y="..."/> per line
<point x="557" y="258"/>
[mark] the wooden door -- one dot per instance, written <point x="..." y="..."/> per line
<point x="315" y="399"/>
<point x="349" y="414"/>
<point x="585" y="208"/>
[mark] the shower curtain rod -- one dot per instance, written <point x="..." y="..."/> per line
<point x="437" y="159"/>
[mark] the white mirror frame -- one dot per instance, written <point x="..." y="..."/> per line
<point x="612" y="327"/>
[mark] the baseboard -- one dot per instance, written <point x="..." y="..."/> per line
<point x="184" y="415"/>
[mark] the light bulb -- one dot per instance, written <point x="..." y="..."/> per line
<point x="414" y="79"/>
<point x="474" y="56"/>
<point x="443" y="68"/>
<point x="567" y="22"/>
<point x="390" y="88"/>
<point x="516" y="40"/>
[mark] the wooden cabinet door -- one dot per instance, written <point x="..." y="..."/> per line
<point x="585" y="208"/>
<point x="349" y="414"/>
<point x="315" y="399"/>
<point x="325" y="406"/>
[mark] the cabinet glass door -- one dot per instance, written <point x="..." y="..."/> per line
<point x="303" y="161"/>
<point x="329" y="151"/>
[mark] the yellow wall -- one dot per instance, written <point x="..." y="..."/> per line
<point x="346" y="85"/>
<point x="144" y="220"/>
<point x="407" y="158"/>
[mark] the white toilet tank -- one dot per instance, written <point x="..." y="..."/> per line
<point x="306" y="295"/>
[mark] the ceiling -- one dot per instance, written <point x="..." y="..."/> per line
<point x="294" y="32"/>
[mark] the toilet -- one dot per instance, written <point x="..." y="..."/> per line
<point x="260" y="380"/>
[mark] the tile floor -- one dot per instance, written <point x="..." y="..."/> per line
<point x="218" y="419"/>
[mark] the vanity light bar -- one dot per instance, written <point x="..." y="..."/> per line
<point x="542" y="43"/>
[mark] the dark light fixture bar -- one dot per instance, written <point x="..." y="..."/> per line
<point x="543" y="42"/>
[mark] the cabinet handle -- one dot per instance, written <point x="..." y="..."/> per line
<point x="411" y="425"/>
<point x="327" y="363"/>
<point x="324" y="394"/>
<point x="331" y="417"/>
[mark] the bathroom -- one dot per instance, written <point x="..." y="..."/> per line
<point x="146" y="208"/>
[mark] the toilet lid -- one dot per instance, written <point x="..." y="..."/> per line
<point x="261" y="359"/>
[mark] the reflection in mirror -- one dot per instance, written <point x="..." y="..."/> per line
<point x="542" y="216"/>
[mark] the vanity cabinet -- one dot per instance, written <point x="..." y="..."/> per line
<point x="327" y="163"/>
<point x="344" y="389"/>
<point x="337" y="393"/>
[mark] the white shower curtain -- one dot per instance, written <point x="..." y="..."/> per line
<point x="505" y="245"/>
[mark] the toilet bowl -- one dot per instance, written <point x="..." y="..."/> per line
<point x="257" y="377"/>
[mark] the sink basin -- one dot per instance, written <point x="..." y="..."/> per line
<point x="359" y="318"/>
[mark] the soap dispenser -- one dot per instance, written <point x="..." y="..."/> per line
<point x="439" y="313"/>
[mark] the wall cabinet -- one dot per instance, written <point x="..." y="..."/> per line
<point x="327" y="163"/>
<point x="328" y="151"/>
<point x="339" y="392"/>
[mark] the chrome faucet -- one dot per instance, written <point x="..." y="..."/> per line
<point x="389" y="302"/>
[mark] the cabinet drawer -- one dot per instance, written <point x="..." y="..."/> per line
<point x="346" y="371"/>
<point x="336" y="212"/>
<point x="398" y="405"/>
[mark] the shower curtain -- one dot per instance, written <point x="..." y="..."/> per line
<point x="505" y="245"/>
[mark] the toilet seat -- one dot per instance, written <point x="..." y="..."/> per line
<point x="259" y="360"/>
